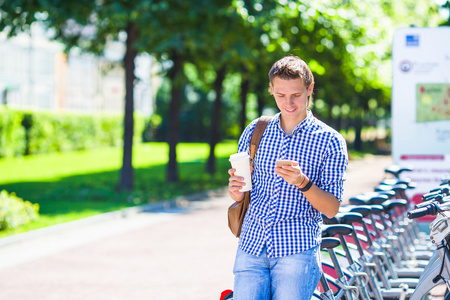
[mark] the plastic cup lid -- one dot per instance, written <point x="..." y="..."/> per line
<point x="239" y="156"/>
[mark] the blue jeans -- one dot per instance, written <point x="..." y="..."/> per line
<point x="292" y="277"/>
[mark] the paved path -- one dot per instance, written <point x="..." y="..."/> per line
<point x="180" y="253"/>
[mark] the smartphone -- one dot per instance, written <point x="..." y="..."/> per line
<point x="283" y="162"/>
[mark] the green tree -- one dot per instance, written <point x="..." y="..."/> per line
<point x="90" y="25"/>
<point x="235" y="48"/>
<point x="446" y="7"/>
<point x="228" y="48"/>
<point x="347" y="44"/>
<point x="180" y="39"/>
<point x="254" y="68"/>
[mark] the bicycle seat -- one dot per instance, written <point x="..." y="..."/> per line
<point x="396" y="187"/>
<point x="364" y="210"/>
<point x="390" y="194"/>
<point x="329" y="243"/>
<point x="343" y="218"/>
<point x="412" y="185"/>
<point x="383" y="188"/>
<point x="368" y="199"/>
<point x="376" y="209"/>
<point x="399" y="187"/>
<point x="396" y="170"/>
<point x="378" y="199"/>
<point x="336" y="229"/>
<point x="360" y="200"/>
<point x="394" y="181"/>
<point x="390" y="204"/>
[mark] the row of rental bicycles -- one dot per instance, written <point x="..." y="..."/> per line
<point x="374" y="249"/>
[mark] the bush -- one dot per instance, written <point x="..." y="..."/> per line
<point x="12" y="133"/>
<point x="25" y="133"/>
<point x="15" y="212"/>
<point x="41" y="135"/>
<point x="139" y="126"/>
<point x="48" y="132"/>
<point x="111" y="128"/>
<point x="151" y="127"/>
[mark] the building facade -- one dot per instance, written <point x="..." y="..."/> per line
<point x="36" y="74"/>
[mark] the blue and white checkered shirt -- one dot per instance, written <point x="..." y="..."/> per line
<point x="279" y="215"/>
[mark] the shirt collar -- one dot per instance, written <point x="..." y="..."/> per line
<point x="301" y="126"/>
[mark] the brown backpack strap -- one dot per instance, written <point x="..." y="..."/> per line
<point x="257" y="135"/>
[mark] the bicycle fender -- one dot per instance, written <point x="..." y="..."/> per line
<point x="426" y="282"/>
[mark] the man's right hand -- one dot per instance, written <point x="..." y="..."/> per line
<point x="235" y="184"/>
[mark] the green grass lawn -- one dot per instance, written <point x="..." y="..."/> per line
<point x="74" y="185"/>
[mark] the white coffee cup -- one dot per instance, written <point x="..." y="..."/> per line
<point x="241" y="162"/>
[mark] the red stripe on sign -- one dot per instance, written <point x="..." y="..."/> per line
<point x="422" y="157"/>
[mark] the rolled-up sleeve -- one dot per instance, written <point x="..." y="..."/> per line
<point x="334" y="166"/>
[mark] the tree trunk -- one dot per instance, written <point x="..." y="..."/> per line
<point x="260" y="98"/>
<point x="245" y="86"/>
<point x="126" y="174"/>
<point x="330" y="120"/>
<point x="215" y="122"/>
<point x="357" y="145"/>
<point x="339" y="123"/>
<point x="174" y="115"/>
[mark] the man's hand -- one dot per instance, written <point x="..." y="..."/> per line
<point x="235" y="184"/>
<point x="323" y="201"/>
<point x="292" y="174"/>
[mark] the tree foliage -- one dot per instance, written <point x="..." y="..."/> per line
<point x="208" y="50"/>
<point x="347" y="44"/>
<point x="90" y="25"/>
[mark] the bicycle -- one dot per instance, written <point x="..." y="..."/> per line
<point x="381" y="265"/>
<point x="367" y="260"/>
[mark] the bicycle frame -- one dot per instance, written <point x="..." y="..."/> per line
<point x="439" y="234"/>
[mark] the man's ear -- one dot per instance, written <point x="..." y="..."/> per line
<point x="270" y="89"/>
<point x="310" y="89"/>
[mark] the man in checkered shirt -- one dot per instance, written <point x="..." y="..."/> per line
<point x="278" y="255"/>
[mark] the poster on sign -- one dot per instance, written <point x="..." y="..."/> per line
<point x="421" y="105"/>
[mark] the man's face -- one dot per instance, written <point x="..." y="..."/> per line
<point x="291" y="97"/>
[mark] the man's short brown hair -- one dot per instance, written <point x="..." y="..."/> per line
<point x="291" y="67"/>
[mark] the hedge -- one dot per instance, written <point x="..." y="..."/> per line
<point x="24" y="133"/>
<point x="12" y="133"/>
<point x="15" y="212"/>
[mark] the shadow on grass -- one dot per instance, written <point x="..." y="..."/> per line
<point x="79" y="196"/>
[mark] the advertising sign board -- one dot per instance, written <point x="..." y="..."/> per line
<point x="421" y="105"/>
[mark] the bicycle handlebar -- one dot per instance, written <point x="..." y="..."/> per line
<point x="430" y="195"/>
<point x="435" y="193"/>
<point x="438" y="198"/>
<point x="430" y="209"/>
